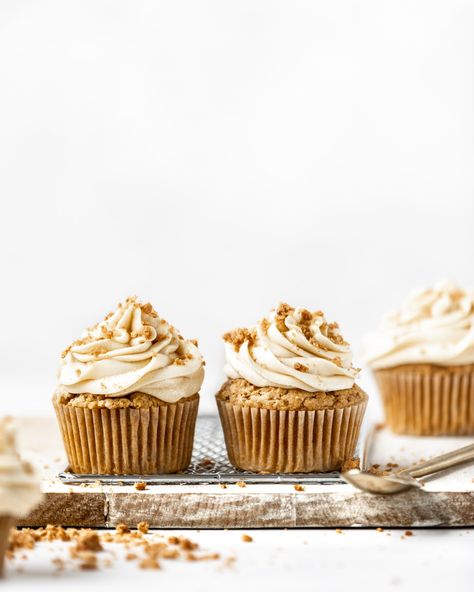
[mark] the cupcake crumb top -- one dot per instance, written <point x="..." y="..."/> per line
<point x="241" y="392"/>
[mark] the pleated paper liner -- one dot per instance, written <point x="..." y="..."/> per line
<point x="428" y="400"/>
<point x="290" y="441"/>
<point x="6" y="523"/>
<point x="129" y="441"/>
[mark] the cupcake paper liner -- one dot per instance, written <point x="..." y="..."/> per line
<point x="267" y="440"/>
<point x="429" y="401"/>
<point x="6" y="523"/>
<point x="129" y="441"/>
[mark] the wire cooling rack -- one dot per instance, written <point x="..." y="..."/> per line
<point x="209" y="464"/>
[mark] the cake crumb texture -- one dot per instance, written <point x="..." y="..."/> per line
<point x="241" y="392"/>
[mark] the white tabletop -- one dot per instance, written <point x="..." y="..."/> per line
<point x="431" y="559"/>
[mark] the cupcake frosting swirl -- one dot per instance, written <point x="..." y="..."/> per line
<point x="132" y="350"/>
<point x="291" y="348"/>
<point x="19" y="487"/>
<point x="433" y="326"/>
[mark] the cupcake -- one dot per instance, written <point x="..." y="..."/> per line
<point x="422" y="357"/>
<point x="19" y="488"/>
<point x="291" y="404"/>
<point x="128" y="395"/>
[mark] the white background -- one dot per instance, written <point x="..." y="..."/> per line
<point x="217" y="157"/>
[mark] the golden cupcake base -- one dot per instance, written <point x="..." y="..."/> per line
<point x="283" y="441"/>
<point x="126" y="440"/>
<point x="428" y="400"/>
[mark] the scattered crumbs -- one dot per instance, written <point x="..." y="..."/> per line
<point x="149" y="550"/>
<point x="87" y="559"/>
<point x="338" y="531"/>
<point x="58" y="563"/>
<point x="379" y="529"/>
<point x="140" y="485"/>
<point x="247" y="538"/>
<point x="240" y="484"/>
<point x="379" y="426"/>
<point x="143" y="527"/>
<point x="224" y="485"/>
<point x="229" y="562"/>
<point x="206" y="463"/>
<point x="298" y="487"/>
<point x="122" y="528"/>
<point x="88" y="540"/>
<point x="209" y="557"/>
<point x="187" y="545"/>
<point x="350" y="463"/>
<point x="408" y="533"/>
<point x="149" y="563"/>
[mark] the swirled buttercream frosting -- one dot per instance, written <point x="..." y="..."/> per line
<point x="132" y="350"/>
<point x="433" y="326"/>
<point x="19" y="487"/>
<point x="291" y="348"/>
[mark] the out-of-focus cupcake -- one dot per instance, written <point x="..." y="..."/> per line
<point x="19" y="487"/>
<point x="128" y="395"/>
<point x="291" y="403"/>
<point x="422" y="357"/>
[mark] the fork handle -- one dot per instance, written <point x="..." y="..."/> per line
<point x="441" y="462"/>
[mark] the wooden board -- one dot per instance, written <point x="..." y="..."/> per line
<point x="447" y="501"/>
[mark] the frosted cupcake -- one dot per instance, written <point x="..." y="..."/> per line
<point x="291" y="403"/>
<point x="19" y="488"/>
<point x="423" y="360"/>
<point x="128" y="395"/>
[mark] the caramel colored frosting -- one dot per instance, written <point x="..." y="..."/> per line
<point x="19" y="487"/>
<point x="291" y="348"/>
<point x="433" y="326"/>
<point x="132" y="350"/>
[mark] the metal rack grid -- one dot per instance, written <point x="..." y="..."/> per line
<point x="209" y="464"/>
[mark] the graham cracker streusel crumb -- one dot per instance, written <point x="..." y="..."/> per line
<point x="301" y="367"/>
<point x="281" y="313"/>
<point x="140" y="485"/>
<point x="298" y="487"/>
<point x="350" y="463"/>
<point x="122" y="528"/>
<point x="247" y="538"/>
<point x="241" y="484"/>
<point x="88" y="541"/>
<point x="238" y="336"/>
<point x="143" y="527"/>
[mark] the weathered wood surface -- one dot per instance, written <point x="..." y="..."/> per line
<point x="445" y="502"/>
